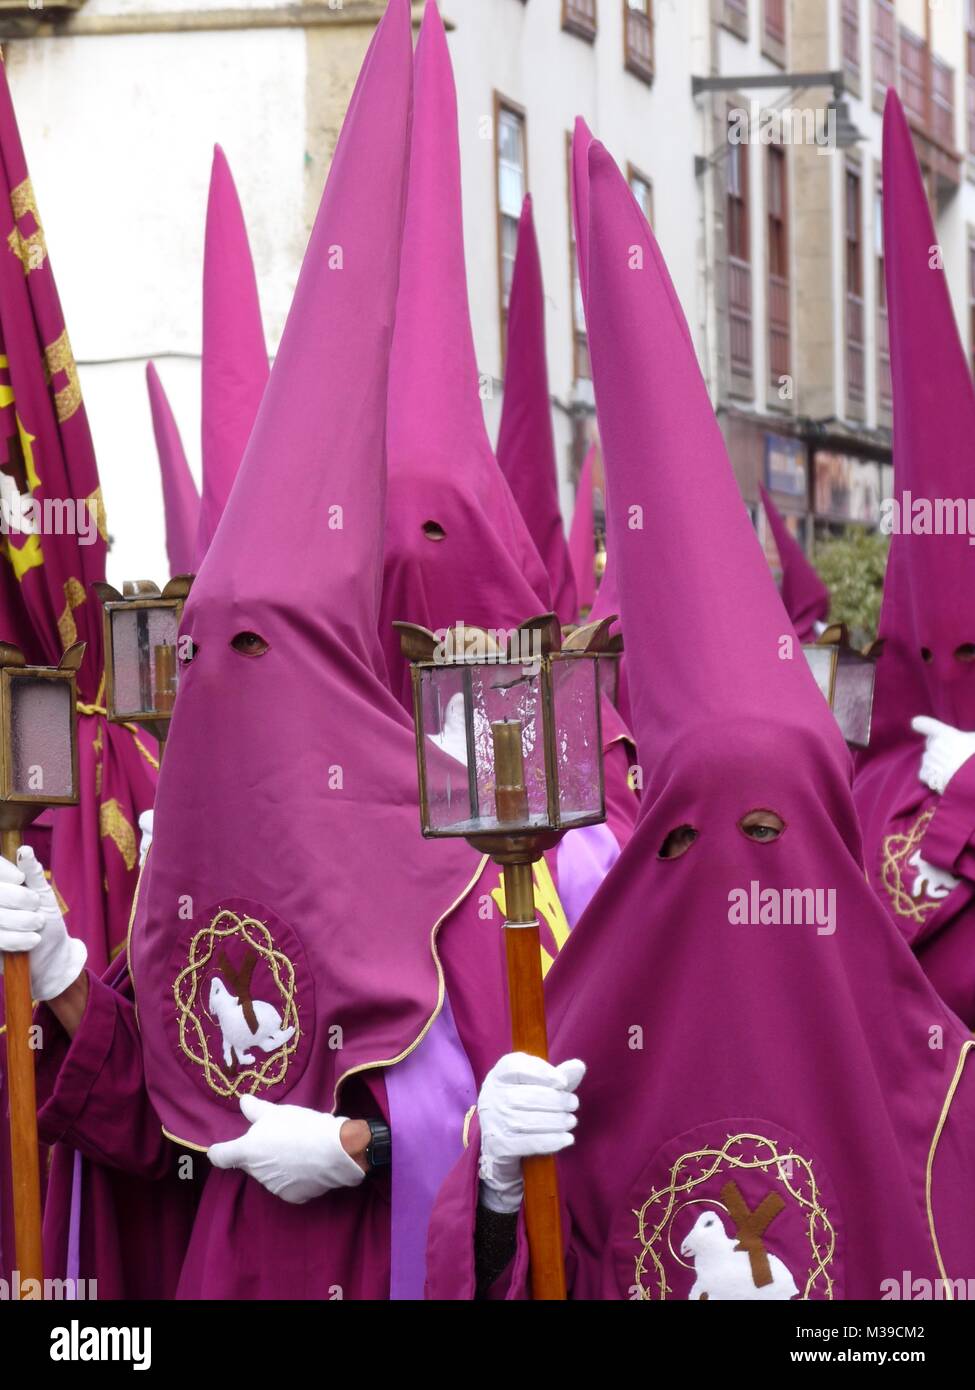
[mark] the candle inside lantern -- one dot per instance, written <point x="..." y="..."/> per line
<point x="164" y="662"/>
<point x="510" y="794"/>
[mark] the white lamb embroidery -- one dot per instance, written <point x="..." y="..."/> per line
<point x="238" y="1037"/>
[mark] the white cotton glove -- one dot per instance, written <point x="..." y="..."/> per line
<point x="932" y="881"/>
<point x="945" y="750"/>
<point x="294" y="1152"/>
<point x="145" y="825"/>
<point x="526" y="1107"/>
<point x="30" y="920"/>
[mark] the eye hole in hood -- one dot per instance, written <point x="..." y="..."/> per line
<point x="249" y="644"/>
<point x="434" y="531"/>
<point x="678" y="842"/>
<point x="762" y="826"/>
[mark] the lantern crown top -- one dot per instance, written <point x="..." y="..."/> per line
<point x="838" y="635"/>
<point x="463" y="644"/>
<point x="138" y="590"/>
<point x="71" y="659"/>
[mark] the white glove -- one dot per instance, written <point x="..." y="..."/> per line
<point x="945" y="750"/>
<point x="526" y="1107"/>
<point x="294" y="1152"/>
<point x="30" y="920"/>
<point x="145" y="825"/>
<point x="932" y="881"/>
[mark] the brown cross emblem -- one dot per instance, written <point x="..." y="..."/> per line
<point x="750" y="1226"/>
<point x="239" y="982"/>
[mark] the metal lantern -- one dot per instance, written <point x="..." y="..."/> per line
<point x="846" y="677"/>
<point x="509" y="753"/>
<point x="38" y="769"/>
<point x="38" y="735"/>
<point x="141" y="640"/>
<point x="508" y="728"/>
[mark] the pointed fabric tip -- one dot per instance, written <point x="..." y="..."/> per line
<point x="929" y="595"/>
<point x="582" y="536"/>
<point x="235" y="366"/>
<point x="582" y="141"/>
<point x="676" y="507"/>
<point x="181" y="501"/>
<point x="804" y="594"/>
<point x="482" y="567"/>
<point x="526" y="441"/>
<point x="312" y="482"/>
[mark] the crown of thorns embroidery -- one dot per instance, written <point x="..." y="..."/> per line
<point x="739" y="1152"/>
<point x="257" y="1037"/>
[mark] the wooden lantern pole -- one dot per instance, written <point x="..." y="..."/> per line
<point x="24" y="1153"/>
<point x="543" y="1215"/>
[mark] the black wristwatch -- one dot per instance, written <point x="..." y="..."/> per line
<point x="379" y="1150"/>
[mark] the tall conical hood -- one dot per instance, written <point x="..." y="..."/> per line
<point x="582" y="536"/>
<point x="286" y="820"/>
<point x="457" y="548"/>
<point x="929" y="597"/>
<point x="235" y="369"/>
<point x="710" y="649"/>
<point x="804" y="594"/>
<point x="181" y="501"/>
<point x="526" y="442"/>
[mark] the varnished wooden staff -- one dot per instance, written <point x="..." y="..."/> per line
<point x="543" y="1214"/>
<point x="24" y="1150"/>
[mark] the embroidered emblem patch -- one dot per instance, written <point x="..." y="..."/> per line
<point x="243" y="1002"/>
<point x="731" y="1213"/>
<point x="904" y="881"/>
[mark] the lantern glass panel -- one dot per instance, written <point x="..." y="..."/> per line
<point x="853" y="697"/>
<point x="578" y="751"/>
<point x="143" y="677"/>
<point x="41" y="714"/>
<point x="821" y="664"/>
<point x="444" y="723"/>
<point x="511" y="784"/>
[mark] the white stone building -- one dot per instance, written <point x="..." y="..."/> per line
<point x="774" y="251"/>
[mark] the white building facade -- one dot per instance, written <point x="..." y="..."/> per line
<point x="774" y="248"/>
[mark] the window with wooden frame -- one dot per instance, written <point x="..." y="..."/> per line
<point x="738" y="228"/>
<point x="913" y="74"/>
<point x="581" y="367"/>
<point x="773" y="30"/>
<point x="850" y="21"/>
<point x="779" y="289"/>
<point x="942" y="102"/>
<point x="854" y="287"/>
<point x="511" y="157"/>
<point x="642" y="189"/>
<point x="734" y="16"/>
<point x="580" y="17"/>
<point x="638" y="31"/>
<point x="883" y="49"/>
<point x="885" y="391"/>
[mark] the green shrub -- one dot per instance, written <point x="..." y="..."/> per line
<point x="852" y="566"/>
